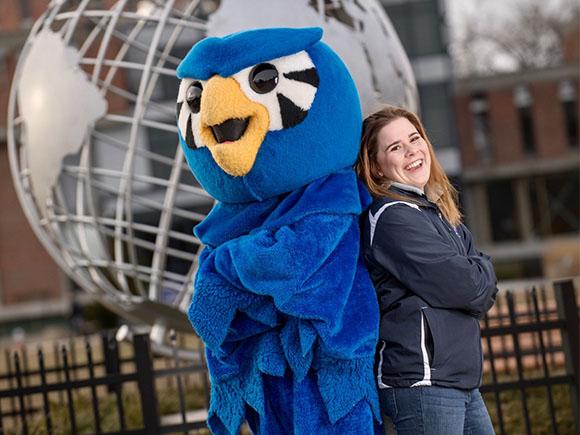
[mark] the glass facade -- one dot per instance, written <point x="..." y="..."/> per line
<point x="418" y="24"/>
<point x="436" y="114"/>
<point x="555" y="201"/>
<point x="503" y="213"/>
<point x="518" y="268"/>
<point x="569" y="101"/>
<point x="481" y="130"/>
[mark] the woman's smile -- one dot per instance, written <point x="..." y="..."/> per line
<point x="415" y="165"/>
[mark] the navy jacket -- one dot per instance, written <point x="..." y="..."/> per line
<point x="433" y="285"/>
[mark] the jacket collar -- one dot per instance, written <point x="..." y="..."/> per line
<point x="408" y="188"/>
<point x="412" y="192"/>
<point x="432" y="196"/>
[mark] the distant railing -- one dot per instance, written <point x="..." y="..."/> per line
<point x="32" y="399"/>
<point x="530" y="341"/>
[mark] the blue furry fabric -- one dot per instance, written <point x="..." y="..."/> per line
<point x="232" y="53"/>
<point x="288" y="313"/>
<point x="326" y="141"/>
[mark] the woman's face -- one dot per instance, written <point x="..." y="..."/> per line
<point x="402" y="154"/>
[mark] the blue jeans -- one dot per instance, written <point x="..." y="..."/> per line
<point x="436" y="411"/>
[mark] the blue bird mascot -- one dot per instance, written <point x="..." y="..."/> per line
<point x="270" y="122"/>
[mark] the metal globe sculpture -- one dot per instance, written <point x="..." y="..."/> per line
<point x="93" y="140"/>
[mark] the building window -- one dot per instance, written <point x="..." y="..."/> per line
<point x="569" y="101"/>
<point x="436" y="114"/>
<point x="563" y="198"/>
<point x="481" y="136"/>
<point x="555" y="202"/>
<point x="518" y="269"/>
<point x="418" y="24"/>
<point x="503" y="211"/>
<point x="523" y="103"/>
<point x="24" y="9"/>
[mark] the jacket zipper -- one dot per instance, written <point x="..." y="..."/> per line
<point x="448" y="226"/>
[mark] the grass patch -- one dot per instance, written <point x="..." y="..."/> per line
<point x="512" y="410"/>
<point x="168" y="403"/>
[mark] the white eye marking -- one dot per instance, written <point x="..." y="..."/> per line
<point x="299" y="93"/>
<point x="294" y="62"/>
<point x="185" y="112"/>
<point x="183" y="89"/>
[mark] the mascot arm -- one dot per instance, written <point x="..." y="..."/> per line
<point x="306" y="271"/>
<point x="217" y="298"/>
<point x="284" y="263"/>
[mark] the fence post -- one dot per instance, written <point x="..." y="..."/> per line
<point x="568" y="311"/>
<point x="111" y="358"/>
<point x="146" y="383"/>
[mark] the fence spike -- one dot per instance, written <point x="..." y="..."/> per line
<point x="45" y="402"/>
<point x="69" y="395"/>
<point x="518" y="357"/>
<point x="21" y="403"/>
<point x="542" y="356"/>
<point x="94" y="397"/>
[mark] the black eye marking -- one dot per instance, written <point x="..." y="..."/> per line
<point x="309" y="76"/>
<point x="291" y="114"/>
<point x="263" y="78"/>
<point x="189" y="139"/>
<point x="193" y="96"/>
<point x="179" y="106"/>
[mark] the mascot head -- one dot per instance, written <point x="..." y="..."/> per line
<point x="264" y="112"/>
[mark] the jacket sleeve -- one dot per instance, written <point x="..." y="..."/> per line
<point x="474" y="252"/>
<point x="409" y="246"/>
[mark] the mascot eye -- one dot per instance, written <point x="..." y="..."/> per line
<point x="263" y="78"/>
<point x="193" y="96"/>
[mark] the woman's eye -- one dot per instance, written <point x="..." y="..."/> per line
<point x="414" y="138"/>
<point x="263" y="78"/>
<point x="395" y="148"/>
<point x="193" y="96"/>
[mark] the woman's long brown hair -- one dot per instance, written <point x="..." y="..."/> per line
<point x="438" y="189"/>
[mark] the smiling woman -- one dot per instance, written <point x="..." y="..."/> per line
<point x="403" y="154"/>
<point x="392" y="139"/>
<point x="430" y="280"/>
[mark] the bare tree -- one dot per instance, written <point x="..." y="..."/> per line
<point x="530" y="37"/>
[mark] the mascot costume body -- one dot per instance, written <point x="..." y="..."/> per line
<point x="270" y="123"/>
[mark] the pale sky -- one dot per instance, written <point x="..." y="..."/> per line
<point x="496" y="13"/>
<point x="491" y="9"/>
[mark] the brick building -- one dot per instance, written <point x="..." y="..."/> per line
<point x="519" y="143"/>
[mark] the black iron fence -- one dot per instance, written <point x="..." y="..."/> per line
<point x="104" y="388"/>
<point x="531" y="359"/>
<point x="531" y="381"/>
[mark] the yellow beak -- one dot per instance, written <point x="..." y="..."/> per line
<point x="223" y="103"/>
